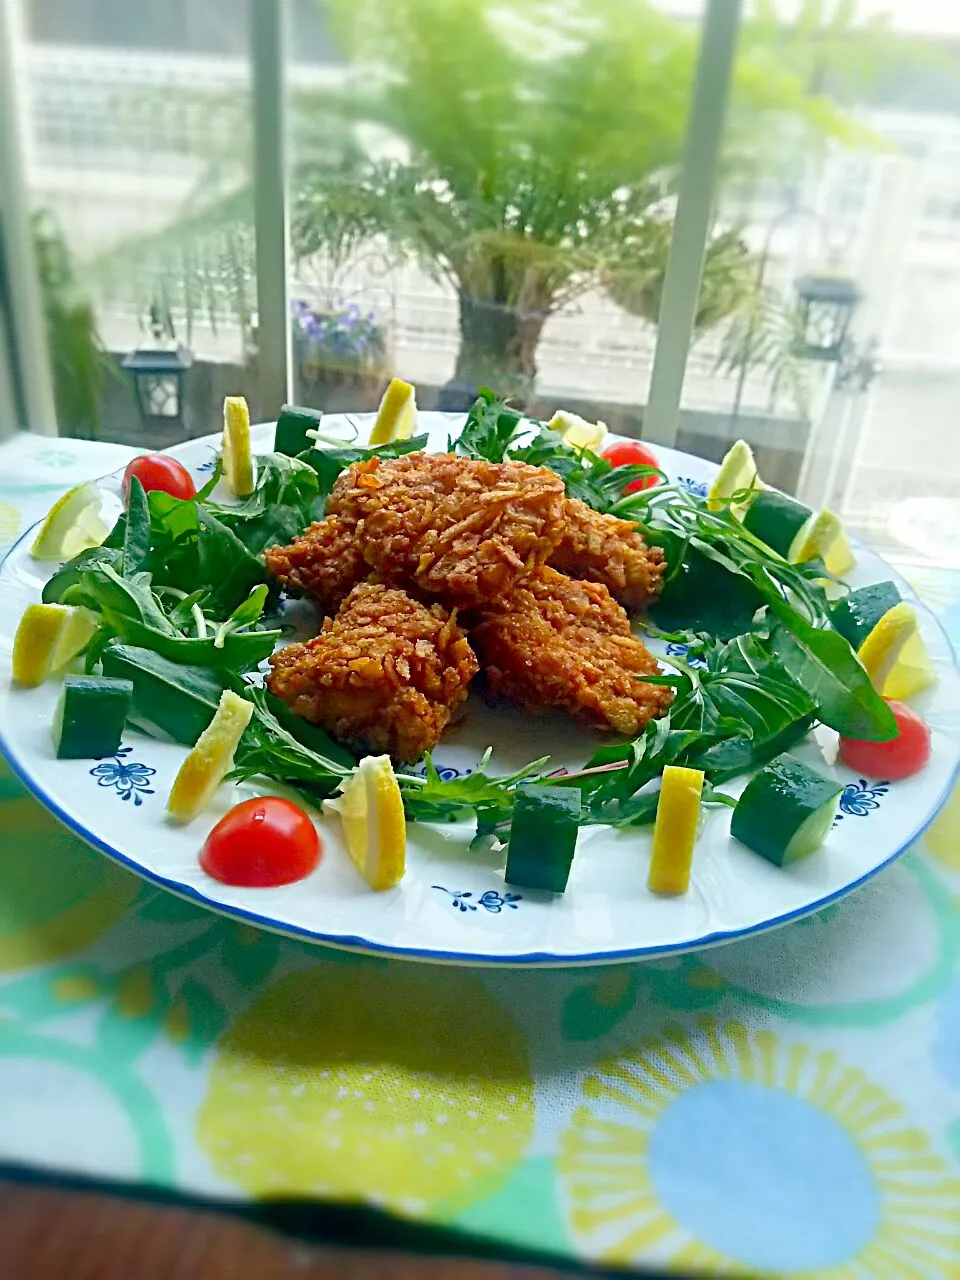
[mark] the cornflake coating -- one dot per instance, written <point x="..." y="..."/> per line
<point x="385" y="675"/>
<point x="457" y="528"/>
<point x="552" y="642"/>
<point x="603" y="549"/>
<point x="325" y="562"/>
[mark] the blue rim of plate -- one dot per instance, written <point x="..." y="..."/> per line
<point x="531" y="959"/>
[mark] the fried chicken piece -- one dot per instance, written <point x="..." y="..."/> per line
<point x="601" y="548"/>
<point x="385" y="675"/>
<point x="324" y="562"/>
<point x="555" y="642"/>
<point x="457" y="528"/>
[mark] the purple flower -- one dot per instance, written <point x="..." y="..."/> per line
<point x="344" y="337"/>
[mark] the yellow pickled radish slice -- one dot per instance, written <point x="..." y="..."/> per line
<point x="397" y="415"/>
<point x="913" y="672"/>
<point x="577" y="432"/>
<point x="211" y="758"/>
<point x="238" y="466"/>
<point x="885" y="645"/>
<point x="37" y="635"/>
<point x="71" y="525"/>
<point x="675" y="832"/>
<point x="374" y="826"/>
<point x="738" y="470"/>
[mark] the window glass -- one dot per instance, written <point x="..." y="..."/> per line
<point x="866" y="208"/>
<point x="136" y="143"/>
<point x="481" y="196"/>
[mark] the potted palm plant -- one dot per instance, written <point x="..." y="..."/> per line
<point x="527" y="154"/>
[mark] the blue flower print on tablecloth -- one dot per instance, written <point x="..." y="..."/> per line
<point x="129" y="778"/>
<point x="55" y="458"/>
<point x="10" y="521"/>
<point x="730" y="1151"/>
<point x="946" y="1044"/>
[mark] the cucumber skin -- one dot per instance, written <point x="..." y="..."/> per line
<point x="734" y="756"/>
<point x="857" y="614"/>
<point x="776" y="803"/>
<point x="290" y="436"/>
<point x="92" y="714"/>
<point x="543" y="837"/>
<point x="776" y="519"/>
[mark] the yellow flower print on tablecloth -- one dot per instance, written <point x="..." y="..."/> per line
<point x="943" y="834"/>
<point x="406" y="1088"/>
<point x="9" y="523"/>
<point x="727" y="1151"/>
<point x="56" y="894"/>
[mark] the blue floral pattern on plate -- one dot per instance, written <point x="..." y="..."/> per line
<point x="446" y="772"/>
<point x="491" y="900"/>
<point x="675" y="650"/>
<point x="697" y="487"/>
<point x="129" y="779"/>
<point x="859" y="799"/>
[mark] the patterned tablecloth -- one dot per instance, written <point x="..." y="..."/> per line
<point x="789" y="1105"/>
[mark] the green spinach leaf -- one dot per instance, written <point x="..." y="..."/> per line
<point x="132" y="612"/>
<point x="71" y="573"/>
<point x="279" y="508"/>
<point x="826" y="667"/>
<point x="270" y="750"/>
<point x="225" y="567"/>
<point x="705" y="596"/>
<point x="136" y="533"/>
<point x="170" y="699"/>
<point x="489" y="430"/>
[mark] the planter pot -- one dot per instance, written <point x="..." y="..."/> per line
<point x="334" y="390"/>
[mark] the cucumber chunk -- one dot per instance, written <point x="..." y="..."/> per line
<point x="857" y="614"/>
<point x="786" y="811"/>
<point x="777" y="520"/>
<point x="543" y="836"/>
<point x="293" y="424"/>
<point x="90" y="716"/>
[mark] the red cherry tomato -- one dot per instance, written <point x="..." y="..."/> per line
<point x="157" y="471"/>
<point x="902" y="756"/>
<point x="632" y="453"/>
<point x="261" y="842"/>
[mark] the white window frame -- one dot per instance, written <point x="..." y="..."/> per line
<point x="696" y="194"/>
<point x="26" y="383"/>
<point x="268" y="52"/>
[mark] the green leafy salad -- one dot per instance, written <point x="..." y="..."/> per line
<point x="180" y="605"/>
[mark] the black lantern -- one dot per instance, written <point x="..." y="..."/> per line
<point x="825" y="308"/>
<point x="159" y="379"/>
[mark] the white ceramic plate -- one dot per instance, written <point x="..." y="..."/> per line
<point x="453" y="906"/>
